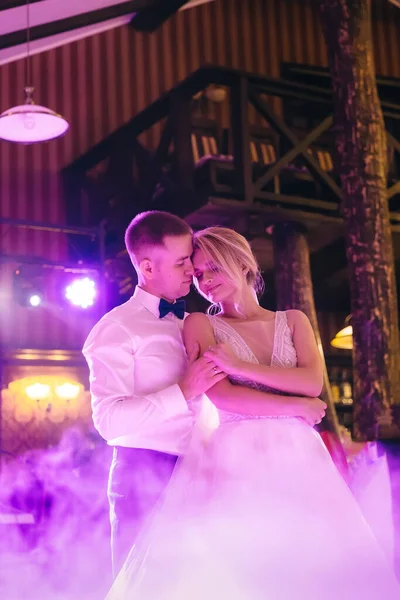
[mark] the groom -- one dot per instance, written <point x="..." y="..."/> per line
<point x="140" y="377"/>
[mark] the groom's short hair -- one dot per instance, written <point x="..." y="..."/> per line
<point x="148" y="229"/>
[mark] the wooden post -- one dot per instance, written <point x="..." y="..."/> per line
<point x="362" y="160"/>
<point x="183" y="167"/>
<point x="241" y="138"/>
<point x="294" y="290"/>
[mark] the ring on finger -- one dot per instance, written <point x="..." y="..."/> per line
<point x="215" y="370"/>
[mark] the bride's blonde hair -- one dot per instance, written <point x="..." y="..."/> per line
<point x="231" y="255"/>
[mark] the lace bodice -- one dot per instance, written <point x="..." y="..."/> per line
<point x="283" y="353"/>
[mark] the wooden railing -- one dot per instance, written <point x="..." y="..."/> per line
<point x="273" y="167"/>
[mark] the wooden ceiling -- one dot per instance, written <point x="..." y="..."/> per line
<point x="54" y="23"/>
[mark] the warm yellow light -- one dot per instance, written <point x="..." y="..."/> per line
<point x="37" y="391"/>
<point x="68" y="391"/>
<point x="343" y="339"/>
<point x="46" y="386"/>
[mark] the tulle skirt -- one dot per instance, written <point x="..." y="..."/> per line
<point x="258" y="512"/>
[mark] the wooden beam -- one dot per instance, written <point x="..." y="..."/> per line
<point x="42" y="226"/>
<point x="195" y="82"/>
<point x="325" y="205"/>
<point x="392" y="141"/>
<point x="361" y="144"/>
<point x="393" y="190"/>
<point x="302" y="73"/>
<point x="161" y="152"/>
<point x="276" y="213"/>
<point x="294" y="289"/>
<point x="45" y="30"/>
<point x="183" y="161"/>
<point x="152" y="17"/>
<point x="241" y="138"/>
<point x="7" y="4"/>
<point x="296" y="150"/>
<point x="142" y="121"/>
<point x="281" y="128"/>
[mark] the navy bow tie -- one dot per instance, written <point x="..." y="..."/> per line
<point x="178" y="308"/>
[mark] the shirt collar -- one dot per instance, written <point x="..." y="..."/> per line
<point x="148" y="300"/>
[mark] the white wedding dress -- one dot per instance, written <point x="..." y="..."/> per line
<point x="257" y="512"/>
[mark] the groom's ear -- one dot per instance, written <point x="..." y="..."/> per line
<point x="146" y="268"/>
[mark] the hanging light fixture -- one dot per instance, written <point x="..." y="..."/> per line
<point x="343" y="340"/>
<point x="30" y="123"/>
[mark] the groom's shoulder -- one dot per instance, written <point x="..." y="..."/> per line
<point x="124" y="316"/>
<point x="123" y="313"/>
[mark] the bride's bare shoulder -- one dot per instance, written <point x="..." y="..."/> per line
<point x="197" y="319"/>
<point x="198" y="329"/>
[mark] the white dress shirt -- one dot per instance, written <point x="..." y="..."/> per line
<point x="135" y="361"/>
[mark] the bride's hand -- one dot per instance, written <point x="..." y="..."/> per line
<point x="223" y="356"/>
<point x="313" y="410"/>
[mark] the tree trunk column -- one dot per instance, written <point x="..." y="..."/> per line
<point x="362" y="161"/>
<point x="294" y="290"/>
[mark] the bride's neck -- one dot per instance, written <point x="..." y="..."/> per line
<point x="246" y="307"/>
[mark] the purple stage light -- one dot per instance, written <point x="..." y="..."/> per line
<point x="81" y="292"/>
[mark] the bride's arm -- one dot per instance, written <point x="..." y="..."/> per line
<point x="305" y="379"/>
<point x="244" y="400"/>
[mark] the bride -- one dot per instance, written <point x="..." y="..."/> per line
<point x="257" y="511"/>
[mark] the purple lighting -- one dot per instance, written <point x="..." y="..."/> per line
<point x="35" y="300"/>
<point x="81" y="292"/>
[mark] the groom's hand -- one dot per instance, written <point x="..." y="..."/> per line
<point x="201" y="375"/>
<point x="194" y="354"/>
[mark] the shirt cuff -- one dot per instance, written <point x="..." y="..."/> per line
<point x="174" y="402"/>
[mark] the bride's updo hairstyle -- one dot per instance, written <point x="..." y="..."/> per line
<point x="231" y="255"/>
